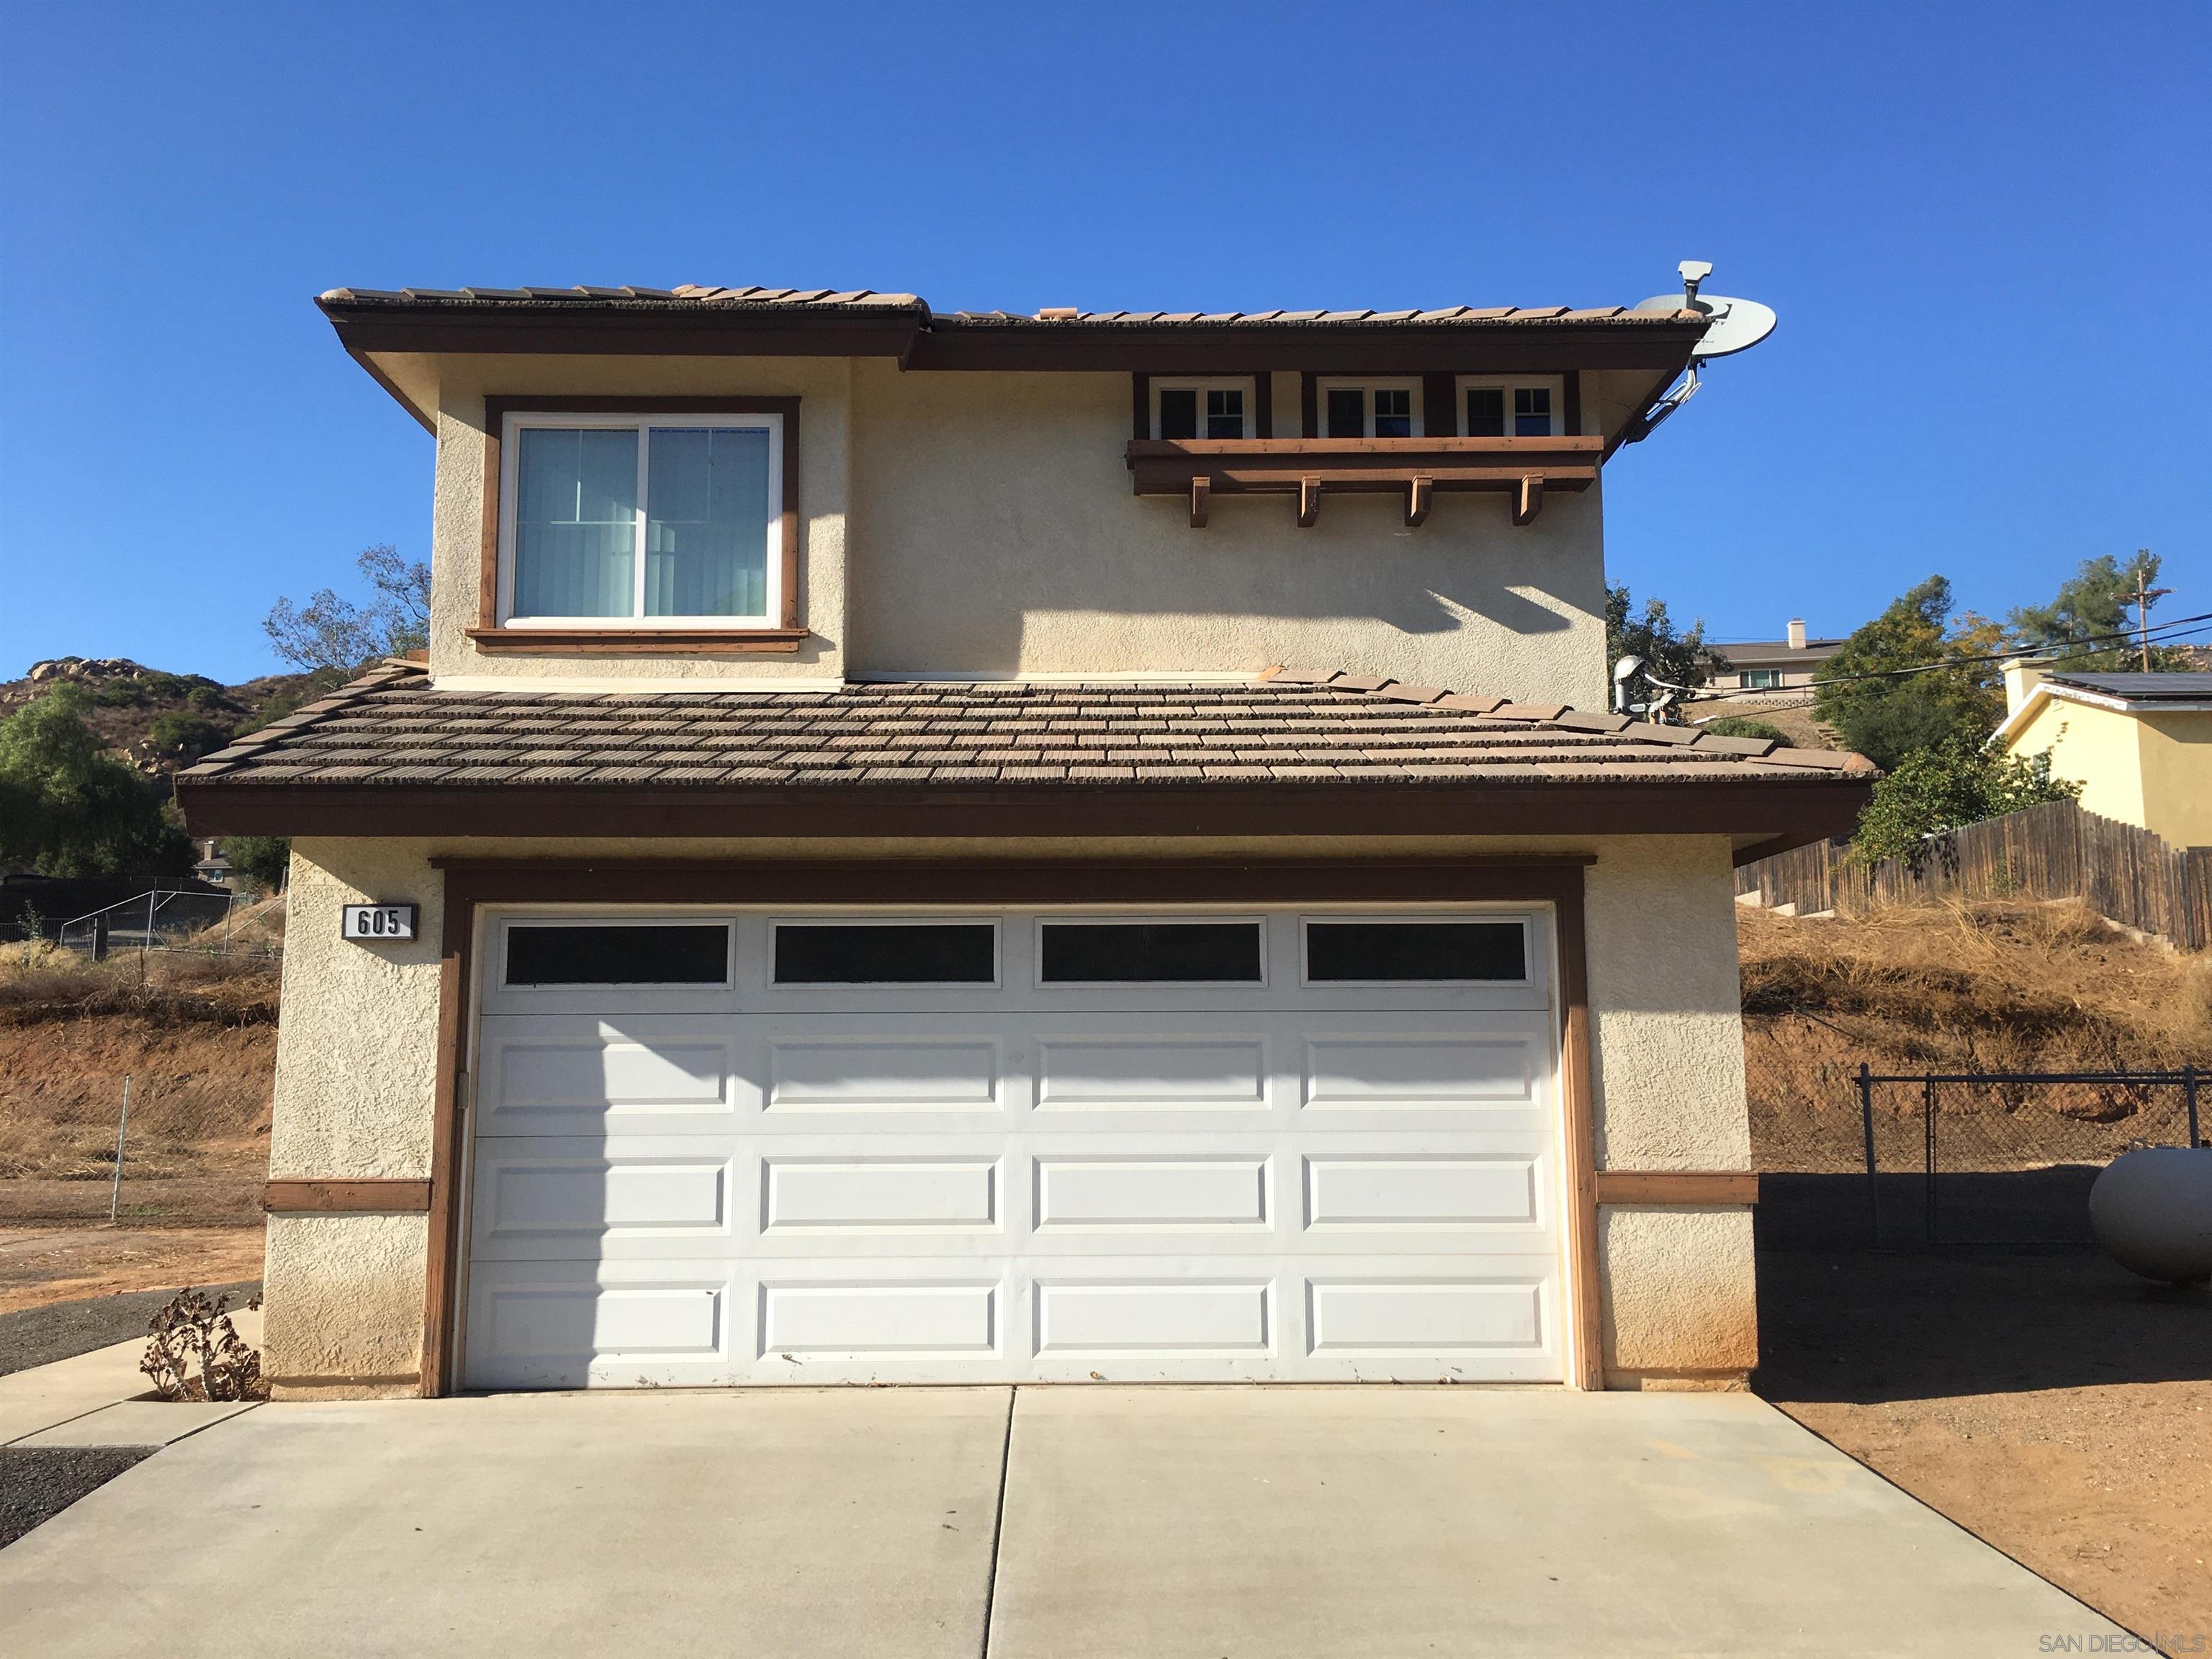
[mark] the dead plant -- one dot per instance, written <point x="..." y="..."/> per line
<point x="197" y="1353"/>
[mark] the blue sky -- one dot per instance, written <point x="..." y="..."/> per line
<point x="1985" y="228"/>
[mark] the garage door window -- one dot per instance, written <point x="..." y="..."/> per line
<point x="1415" y="952"/>
<point x="1151" y="952"/>
<point x="886" y="953"/>
<point x="695" y="954"/>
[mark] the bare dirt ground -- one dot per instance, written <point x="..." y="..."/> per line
<point x="2046" y="1401"/>
<point x="41" y="1266"/>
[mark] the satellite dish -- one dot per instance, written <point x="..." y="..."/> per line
<point x="1732" y="326"/>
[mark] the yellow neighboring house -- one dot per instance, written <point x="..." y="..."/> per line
<point x="2139" y="745"/>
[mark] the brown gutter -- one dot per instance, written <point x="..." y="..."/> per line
<point x="1780" y="812"/>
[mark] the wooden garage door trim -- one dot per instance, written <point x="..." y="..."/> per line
<point x="472" y="884"/>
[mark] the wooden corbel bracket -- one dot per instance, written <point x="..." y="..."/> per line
<point x="1419" y="492"/>
<point x="1201" y="496"/>
<point x="1529" y="498"/>
<point x="1309" y="501"/>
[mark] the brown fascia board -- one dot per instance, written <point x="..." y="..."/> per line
<point x="1775" y="812"/>
<point x="945" y="343"/>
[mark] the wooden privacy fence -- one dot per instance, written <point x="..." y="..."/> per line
<point x="2054" y="851"/>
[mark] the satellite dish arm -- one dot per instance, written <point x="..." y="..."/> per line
<point x="1655" y="415"/>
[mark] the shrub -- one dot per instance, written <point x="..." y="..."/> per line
<point x="1738" y="725"/>
<point x="1954" y="784"/>
<point x="197" y="1353"/>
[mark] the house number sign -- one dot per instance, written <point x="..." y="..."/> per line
<point x="377" y="921"/>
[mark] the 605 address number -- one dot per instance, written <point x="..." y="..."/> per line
<point x="377" y="921"/>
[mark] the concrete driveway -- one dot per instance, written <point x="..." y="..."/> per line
<point x="1255" y="1523"/>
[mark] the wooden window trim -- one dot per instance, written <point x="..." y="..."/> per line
<point x="490" y="636"/>
<point x="469" y="884"/>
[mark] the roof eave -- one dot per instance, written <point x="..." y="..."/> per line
<point x="1774" y="812"/>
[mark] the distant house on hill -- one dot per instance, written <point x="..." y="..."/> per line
<point x="2139" y="745"/>
<point x="1783" y="666"/>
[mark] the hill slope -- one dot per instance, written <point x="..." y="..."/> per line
<point x="162" y="722"/>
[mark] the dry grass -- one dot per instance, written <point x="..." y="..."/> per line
<point x="197" y="1037"/>
<point x="1984" y="986"/>
<point x="40" y="982"/>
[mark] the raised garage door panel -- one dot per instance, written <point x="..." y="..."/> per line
<point x="1014" y="1181"/>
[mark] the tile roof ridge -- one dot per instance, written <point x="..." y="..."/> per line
<point x="1568" y="718"/>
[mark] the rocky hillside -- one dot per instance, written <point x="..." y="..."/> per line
<point x="161" y="722"/>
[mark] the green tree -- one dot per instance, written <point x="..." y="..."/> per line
<point x="1892" y="715"/>
<point x="1949" y="785"/>
<point x="329" y="632"/>
<point x="262" y="860"/>
<point x="68" y="809"/>
<point x="2098" y="598"/>
<point x="185" y="738"/>
<point x="1670" y="654"/>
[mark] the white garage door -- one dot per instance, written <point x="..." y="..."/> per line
<point x="963" y="1147"/>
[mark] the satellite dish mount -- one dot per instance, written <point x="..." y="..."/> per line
<point x="1731" y="326"/>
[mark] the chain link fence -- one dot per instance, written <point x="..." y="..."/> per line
<point x="1935" y="1159"/>
<point x="138" y="1079"/>
<point x="213" y="924"/>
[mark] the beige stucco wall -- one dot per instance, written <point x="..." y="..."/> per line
<point x="1679" y="1295"/>
<point x="981" y="523"/>
<point x="343" y="1298"/>
<point x="357" y="1053"/>
<point x="994" y="531"/>
<point x="1666" y="1005"/>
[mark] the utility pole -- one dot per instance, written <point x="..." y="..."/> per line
<point x="2146" y="595"/>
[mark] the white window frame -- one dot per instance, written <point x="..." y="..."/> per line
<point x="818" y="989"/>
<point x="1366" y="389"/>
<point x="1509" y="383"/>
<point x="1531" y="968"/>
<point x="1243" y="383"/>
<point x="510" y="465"/>
<point x="1760" y="679"/>
<point x="1145" y="918"/>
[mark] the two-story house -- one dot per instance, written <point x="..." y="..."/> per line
<point x="945" y="847"/>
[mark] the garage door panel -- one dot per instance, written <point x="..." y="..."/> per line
<point x="866" y="1072"/>
<point x="879" y="1318"/>
<point x="1152" y="1071"/>
<point x="534" y="1204"/>
<point x="1141" y="1316"/>
<point x="878" y="1194"/>
<point x="570" y="1074"/>
<point x="1423" y="1070"/>
<point x="1151" y="1194"/>
<point x="1432" y="1314"/>
<point x="1434" y="1190"/>
<point x="555" y="1326"/>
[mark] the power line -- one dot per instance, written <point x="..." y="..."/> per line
<point x="2164" y="634"/>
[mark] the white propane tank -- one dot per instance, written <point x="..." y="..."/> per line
<point x="2151" y="1210"/>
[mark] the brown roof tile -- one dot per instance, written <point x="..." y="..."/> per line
<point x="396" y="728"/>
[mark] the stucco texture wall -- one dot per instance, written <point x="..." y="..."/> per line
<point x="821" y="384"/>
<point x="994" y="532"/>
<point x="343" y="1301"/>
<point x="357" y="1050"/>
<point x="2100" y="748"/>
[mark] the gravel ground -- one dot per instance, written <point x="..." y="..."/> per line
<point x="37" y="1486"/>
<point x="39" y="1336"/>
